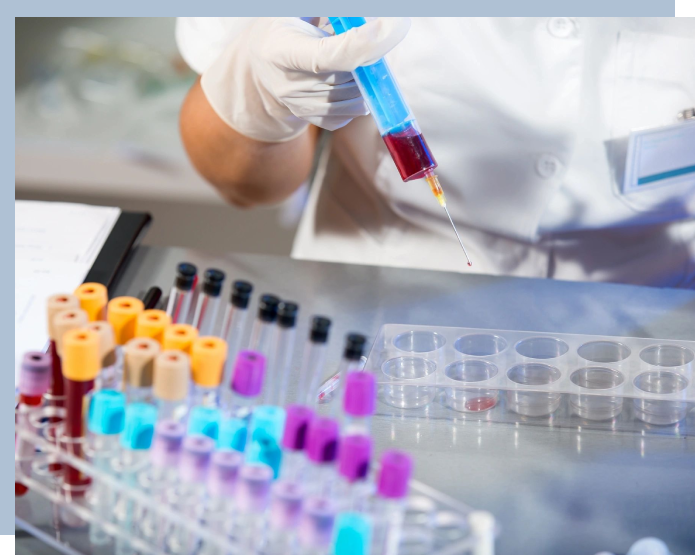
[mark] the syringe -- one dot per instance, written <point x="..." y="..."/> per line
<point x="396" y="122"/>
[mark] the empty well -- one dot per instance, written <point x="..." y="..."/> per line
<point x="533" y="403"/>
<point x="656" y="411"/>
<point x="470" y="399"/>
<point x="419" y="341"/>
<point x="406" y="369"/>
<point x="604" y="352"/>
<point x="542" y="347"/>
<point x="597" y="407"/>
<point x="668" y="356"/>
<point x="480" y="344"/>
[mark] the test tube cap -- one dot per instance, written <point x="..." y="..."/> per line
<point x="93" y="299"/>
<point x="138" y="361"/>
<point x="249" y="372"/>
<point x="185" y="276"/>
<point x="208" y="355"/>
<point x="179" y="337"/>
<point x="320" y="328"/>
<point x="354" y="346"/>
<point x="287" y="314"/>
<point x="204" y="421"/>
<point x="322" y="441"/>
<point x="316" y="528"/>
<point x="122" y="313"/>
<point x="65" y="321"/>
<point x="253" y="487"/>
<point x="172" y="376"/>
<point x="213" y="279"/>
<point x="355" y="457"/>
<point x="140" y="419"/>
<point x="286" y="505"/>
<point x="353" y="534"/>
<point x="166" y="446"/>
<point x="268" y="308"/>
<point x="241" y="294"/>
<point x="106" y="415"/>
<point x="394" y="474"/>
<point x="58" y="303"/>
<point x="296" y="427"/>
<point x="195" y="458"/>
<point x="360" y="394"/>
<point x="80" y="358"/>
<point x="232" y="434"/>
<point x="269" y="420"/>
<point x="35" y="374"/>
<point x="224" y="471"/>
<point x="107" y="345"/>
<point x="152" y="323"/>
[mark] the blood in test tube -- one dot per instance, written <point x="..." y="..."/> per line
<point x="410" y="152"/>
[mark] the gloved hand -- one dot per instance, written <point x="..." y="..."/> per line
<point x="280" y="74"/>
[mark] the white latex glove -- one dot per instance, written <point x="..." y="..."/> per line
<point x="280" y="74"/>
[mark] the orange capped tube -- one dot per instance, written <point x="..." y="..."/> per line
<point x="179" y="337"/>
<point x="152" y="323"/>
<point x="93" y="299"/>
<point x="122" y="314"/>
<point x="208" y="355"/>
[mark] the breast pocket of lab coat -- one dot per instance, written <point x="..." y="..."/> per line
<point x="654" y="81"/>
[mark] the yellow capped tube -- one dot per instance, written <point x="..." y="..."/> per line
<point x="179" y="337"/>
<point x="93" y="299"/>
<point x="122" y="314"/>
<point x="81" y="361"/>
<point x="152" y="323"/>
<point x="208" y="355"/>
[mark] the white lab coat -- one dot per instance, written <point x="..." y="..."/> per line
<point x="528" y="119"/>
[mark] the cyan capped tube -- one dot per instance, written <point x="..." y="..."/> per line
<point x="232" y="434"/>
<point x="204" y="421"/>
<point x="352" y="534"/>
<point x="106" y="414"/>
<point x="267" y="427"/>
<point x="138" y="432"/>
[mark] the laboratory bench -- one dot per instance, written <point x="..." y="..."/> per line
<point x="552" y="491"/>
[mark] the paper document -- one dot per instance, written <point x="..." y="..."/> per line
<point x="55" y="245"/>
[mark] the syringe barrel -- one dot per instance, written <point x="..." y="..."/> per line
<point x="393" y="117"/>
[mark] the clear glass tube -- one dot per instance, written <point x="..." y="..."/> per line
<point x="104" y="448"/>
<point x="206" y="314"/>
<point x="233" y="332"/>
<point x="388" y="525"/>
<point x="131" y="462"/>
<point x="262" y="337"/>
<point x="179" y="305"/>
<point x="172" y="410"/>
<point x="281" y="357"/>
<point x="204" y="396"/>
<point x="310" y="372"/>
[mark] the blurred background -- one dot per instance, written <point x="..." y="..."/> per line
<point x="96" y="121"/>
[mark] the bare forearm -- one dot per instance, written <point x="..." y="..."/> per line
<point x="245" y="172"/>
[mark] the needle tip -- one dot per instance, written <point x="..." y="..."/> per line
<point x="470" y="263"/>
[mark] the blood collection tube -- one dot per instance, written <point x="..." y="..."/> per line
<point x="221" y="483"/>
<point x="204" y="421"/>
<point x="334" y="387"/>
<point x="392" y="490"/>
<point x="93" y="300"/>
<point x="138" y="368"/>
<point x="171" y="384"/>
<point x="264" y="326"/>
<point x="179" y="305"/>
<point x="315" y="530"/>
<point x="34" y="381"/>
<point x="294" y="441"/>
<point x="234" y="324"/>
<point x="353" y="468"/>
<point x="359" y="403"/>
<point x="252" y="500"/>
<point x="122" y="313"/>
<point x="107" y="378"/>
<point x="105" y="422"/>
<point x="80" y="355"/>
<point x="179" y="337"/>
<point x="208" y="355"/>
<point x="205" y="318"/>
<point x="152" y="323"/>
<point x="314" y="358"/>
<point x="240" y="399"/>
<point x="136" y="440"/>
<point x="352" y="535"/>
<point x="264" y="437"/>
<point x="281" y="357"/>
<point x="55" y="304"/>
<point x="322" y="452"/>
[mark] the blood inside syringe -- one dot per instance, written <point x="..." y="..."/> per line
<point x="410" y="153"/>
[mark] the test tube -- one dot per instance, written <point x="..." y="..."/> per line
<point x="138" y="368"/>
<point x="179" y="304"/>
<point x="392" y="490"/>
<point x="283" y="350"/>
<point x="353" y="468"/>
<point x="334" y="387"/>
<point x="265" y="434"/>
<point x="222" y="479"/>
<point x="234" y="324"/>
<point x="106" y="421"/>
<point x="322" y="452"/>
<point x="122" y="313"/>
<point x="136" y="440"/>
<point x="264" y="326"/>
<point x="93" y="300"/>
<point x="205" y="318"/>
<point x="179" y="337"/>
<point x="152" y="323"/>
<point x="34" y="381"/>
<point x="294" y="440"/>
<point x="252" y="501"/>
<point x="170" y="385"/>
<point x="80" y="355"/>
<point x="204" y="421"/>
<point x="315" y="531"/>
<point x="359" y="403"/>
<point x="54" y="305"/>
<point x="151" y="298"/>
<point x="208" y="355"/>
<point x="314" y="357"/>
<point x="353" y="534"/>
<point x="107" y="354"/>
<point x="239" y="400"/>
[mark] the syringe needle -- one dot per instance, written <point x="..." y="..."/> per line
<point x="457" y="236"/>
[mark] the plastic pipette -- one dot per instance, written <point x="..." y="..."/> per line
<point x="396" y="122"/>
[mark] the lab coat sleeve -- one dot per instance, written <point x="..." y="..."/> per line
<point x="201" y="40"/>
